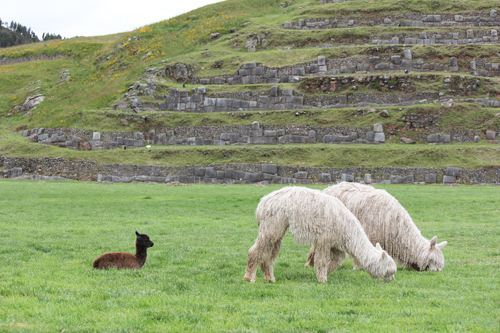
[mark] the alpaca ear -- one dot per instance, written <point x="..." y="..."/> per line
<point x="378" y="246"/>
<point x="441" y="245"/>
<point x="138" y="234"/>
<point x="433" y="241"/>
<point x="384" y="255"/>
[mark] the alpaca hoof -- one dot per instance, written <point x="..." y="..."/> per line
<point x="246" y="278"/>
<point x="321" y="280"/>
<point x="273" y="280"/>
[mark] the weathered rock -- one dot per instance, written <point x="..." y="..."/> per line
<point x="32" y="101"/>
<point x="490" y="135"/>
<point x="251" y="45"/>
<point x="367" y="178"/>
<point x="406" y="140"/>
<point x="64" y="75"/>
<point x="449" y="180"/>
<point x="270" y="168"/>
<point x="181" y="72"/>
<point x="324" y="178"/>
<point x="379" y="137"/>
<point x="477" y="139"/>
<point x="378" y="128"/>
<point x="346" y="178"/>
<point x="84" y="145"/>
<point x="430" y="178"/>
<point x="143" y="89"/>
<point x="135" y="103"/>
<point x="301" y="175"/>
<point x="214" y="35"/>
<point x="402" y="180"/>
<point x="451" y="171"/>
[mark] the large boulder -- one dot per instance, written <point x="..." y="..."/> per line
<point x="181" y="72"/>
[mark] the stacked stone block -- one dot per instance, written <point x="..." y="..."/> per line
<point x="451" y="175"/>
<point x="452" y="38"/>
<point x="198" y="102"/>
<point x="488" y="68"/>
<point x="439" y="138"/>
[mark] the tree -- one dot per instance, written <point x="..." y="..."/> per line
<point x="17" y="34"/>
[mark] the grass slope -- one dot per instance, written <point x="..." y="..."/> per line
<point x="102" y="68"/>
<point x="192" y="280"/>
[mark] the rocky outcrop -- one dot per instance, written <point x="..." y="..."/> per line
<point x="181" y="72"/>
<point x="31" y="102"/>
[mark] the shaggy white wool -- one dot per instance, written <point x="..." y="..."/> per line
<point x="385" y="221"/>
<point x="313" y="218"/>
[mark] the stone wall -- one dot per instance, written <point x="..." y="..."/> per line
<point x="253" y="73"/>
<point x="423" y="38"/>
<point x="236" y="173"/>
<point x="10" y="61"/>
<point x="485" y="68"/>
<point x="490" y="19"/>
<point x="179" y="100"/>
<point x="202" y="135"/>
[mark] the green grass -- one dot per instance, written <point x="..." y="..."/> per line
<point x="192" y="280"/>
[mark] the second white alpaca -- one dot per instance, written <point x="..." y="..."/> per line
<point x="313" y="218"/>
<point x="385" y="221"/>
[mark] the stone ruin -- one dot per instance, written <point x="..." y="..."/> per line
<point x="490" y="19"/>
<point x="255" y="135"/>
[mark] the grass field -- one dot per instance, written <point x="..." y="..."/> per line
<point x="192" y="280"/>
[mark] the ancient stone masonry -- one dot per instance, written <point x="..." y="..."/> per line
<point x="179" y="100"/>
<point x="253" y="73"/>
<point x="204" y="135"/>
<point x="237" y="173"/>
<point x="461" y="37"/>
<point x="84" y="140"/>
<point x="458" y="136"/>
<point x="490" y="19"/>
<point x="484" y="68"/>
<point x="9" y="61"/>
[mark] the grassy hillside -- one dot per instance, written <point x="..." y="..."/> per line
<point x="102" y="69"/>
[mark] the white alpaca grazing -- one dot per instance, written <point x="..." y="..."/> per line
<point x="313" y="218"/>
<point x="386" y="222"/>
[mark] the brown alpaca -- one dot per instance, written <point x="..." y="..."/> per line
<point x="125" y="259"/>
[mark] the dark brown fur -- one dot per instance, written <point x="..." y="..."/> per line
<point x="125" y="259"/>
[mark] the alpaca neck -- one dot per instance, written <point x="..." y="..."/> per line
<point x="418" y="243"/>
<point x="360" y="247"/>
<point x="141" y="252"/>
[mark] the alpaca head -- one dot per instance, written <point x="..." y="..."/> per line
<point x="433" y="258"/>
<point x="143" y="240"/>
<point x="385" y="267"/>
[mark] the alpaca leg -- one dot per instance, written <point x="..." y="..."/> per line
<point x="253" y="262"/>
<point x="310" y="257"/>
<point x="268" y="263"/>
<point x="357" y="265"/>
<point x="337" y="257"/>
<point x="321" y="259"/>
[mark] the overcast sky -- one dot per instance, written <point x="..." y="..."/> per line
<point x="71" y="18"/>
